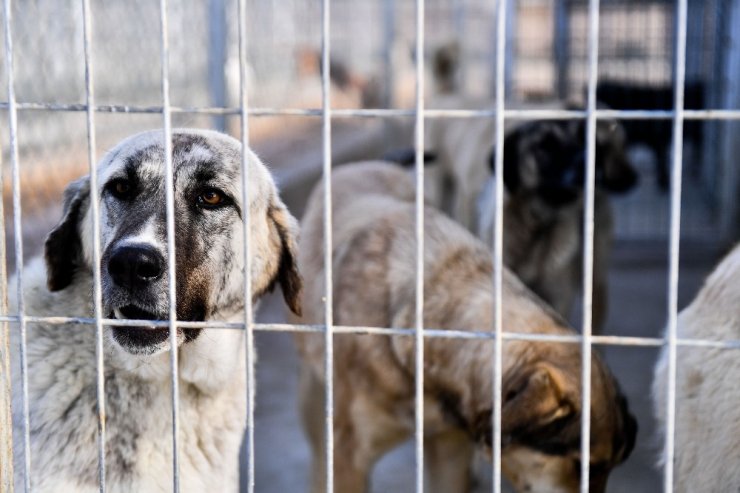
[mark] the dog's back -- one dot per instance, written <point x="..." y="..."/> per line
<point x="707" y="391"/>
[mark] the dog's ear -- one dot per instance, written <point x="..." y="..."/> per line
<point x="538" y="402"/>
<point x="63" y="247"/>
<point x="614" y="169"/>
<point x="512" y="162"/>
<point x="285" y="226"/>
<point x="625" y="435"/>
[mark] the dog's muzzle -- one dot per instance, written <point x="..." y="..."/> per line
<point x="136" y="268"/>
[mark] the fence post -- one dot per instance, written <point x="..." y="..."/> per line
<point x="729" y="177"/>
<point x="389" y="40"/>
<point x="217" y="34"/>
<point x="6" y="419"/>
<point x="561" y="47"/>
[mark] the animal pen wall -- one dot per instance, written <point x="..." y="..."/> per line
<point x="373" y="60"/>
<point x="372" y="43"/>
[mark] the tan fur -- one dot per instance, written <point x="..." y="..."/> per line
<point x="707" y="391"/>
<point x="374" y="265"/>
<point x="544" y="247"/>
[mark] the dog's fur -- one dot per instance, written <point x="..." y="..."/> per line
<point x="210" y="283"/>
<point x="461" y="146"/>
<point x="544" y="168"/>
<point x="707" y="393"/>
<point x="374" y="264"/>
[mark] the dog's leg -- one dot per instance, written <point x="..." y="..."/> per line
<point x="663" y="165"/>
<point x="311" y="405"/>
<point x="348" y="478"/>
<point x="363" y="432"/>
<point x="602" y="252"/>
<point x="448" y="457"/>
<point x="600" y="302"/>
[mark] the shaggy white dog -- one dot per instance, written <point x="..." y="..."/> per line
<point x="210" y="283"/>
<point x="707" y="440"/>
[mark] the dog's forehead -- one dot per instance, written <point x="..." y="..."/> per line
<point x="197" y="156"/>
<point x="144" y="153"/>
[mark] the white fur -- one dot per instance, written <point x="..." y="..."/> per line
<point x="707" y="439"/>
<point x="146" y="236"/>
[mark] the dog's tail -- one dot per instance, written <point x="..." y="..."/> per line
<point x="446" y="67"/>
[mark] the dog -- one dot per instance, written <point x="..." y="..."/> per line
<point x="707" y="420"/>
<point x="134" y="285"/>
<point x="544" y="173"/>
<point x="656" y="134"/>
<point x="374" y="263"/>
<point x="461" y="146"/>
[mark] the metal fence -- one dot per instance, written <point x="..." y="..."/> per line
<point x="93" y="97"/>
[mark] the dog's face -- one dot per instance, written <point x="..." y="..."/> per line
<point x="548" y="159"/>
<point x="541" y="429"/>
<point x="542" y="157"/>
<point x="209" y="251"/>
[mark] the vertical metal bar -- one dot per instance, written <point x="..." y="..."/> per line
<point x="389" y="37"/>
<point x="247" y="206"/>
<point x="729" y="182"/>
<point x="498" y="248"/>
<point x="458" y="25"/>
<point x="6" y="419"/>
<point x="328" y="271"/>
<point x="419" y="316"/>
<point x="588" y="242"/>
<point x="676" y="163"/>
<point x="561" y="48"/>
<point x="18" y="241"/>
<point x="170" y="212"/>
<point x="94" y="208"/>
<point x="217" y="58"/>
<point x="509" y="46"/>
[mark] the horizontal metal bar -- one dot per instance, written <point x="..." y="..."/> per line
<point x="513" y="114"/>
<point x="344" y="329"/>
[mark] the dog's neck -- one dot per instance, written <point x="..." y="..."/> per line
<point x="209" y="362"/>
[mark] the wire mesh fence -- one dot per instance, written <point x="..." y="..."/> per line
<point x="154" y="64"/>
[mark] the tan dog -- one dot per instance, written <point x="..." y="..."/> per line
<point x="374" y="265"/>
<point x="707" y="392"/>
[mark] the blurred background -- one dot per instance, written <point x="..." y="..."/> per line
<point x="372" y="66"/>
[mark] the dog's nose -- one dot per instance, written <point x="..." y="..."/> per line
<point x="135" y="266"/>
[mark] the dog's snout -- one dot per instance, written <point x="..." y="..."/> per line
<point x="133" y="266"/>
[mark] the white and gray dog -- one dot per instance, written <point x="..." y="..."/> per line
<point x="210" y="283"/>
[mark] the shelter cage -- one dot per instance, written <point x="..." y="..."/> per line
<point x="214" y="53"/>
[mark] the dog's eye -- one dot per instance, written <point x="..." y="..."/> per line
<point x="211" y="199"/>
<point x="120" y="189"/>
